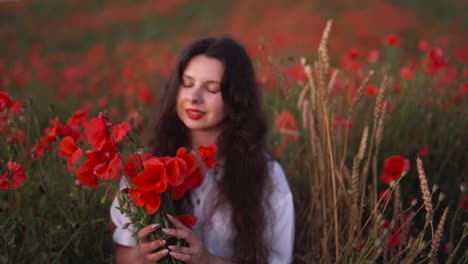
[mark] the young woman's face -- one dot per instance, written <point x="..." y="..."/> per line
<point x="199" y="101"/>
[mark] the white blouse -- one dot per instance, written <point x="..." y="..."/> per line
<point x="216" y="231"/>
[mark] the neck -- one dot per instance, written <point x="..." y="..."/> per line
<point x="204" y="137"/>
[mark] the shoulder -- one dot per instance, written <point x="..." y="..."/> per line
<point x="278" y="177"/>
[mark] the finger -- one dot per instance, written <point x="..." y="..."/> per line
<point x="177" y="223"/>
<point x="146" y="248"/>
<point x="157" y="256"/>
<point x="145" y="231"/>
<point x="179" y="233"/>
<point x="180" y="256"/>
<point x="183" y="250"/>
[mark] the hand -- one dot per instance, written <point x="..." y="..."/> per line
<point x="146" y="248"/>
<point x="196" y="252"/>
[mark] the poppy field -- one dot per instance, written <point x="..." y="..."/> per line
<point x="367" y="103"/>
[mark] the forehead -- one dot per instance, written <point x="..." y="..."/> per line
<point x="205" y="68"/>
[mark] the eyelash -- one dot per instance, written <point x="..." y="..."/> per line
<point x="191" y="84"/>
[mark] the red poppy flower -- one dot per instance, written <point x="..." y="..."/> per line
<point x="149" y="199"/>
<point x="386" y="196"/>
<point x="437" y="61"/>
<point x="370" y="90"/>
<point x="176" y="170"/>
<point x="80" y="116"/>
<point x="340" y="121"/>
<point x="392" y="40"/>
<point x="86" y="172"/>
<point x="109" y="169"/>
<point x="68" y="149"/>
<point x="395" y="237"/>
<point x="18" y="137"/>
<point x="423" y="152"/>
<point x="353" y="54"/>
<point x="5" y="101"/>
<point x="394" y="167"/>
<point x="463" y="202"/>
<point x="423" y="45"/>
<point x="191" y="182"/>
<point x="40" y="147"/>
<point x="13" y="177"/>
<point x="96" y="131"/>
<point x="297" y="73"/>
<point x="207" y="155"/>
<point x="134" y="164"/>
<point x="286" y="124"/>
<point x="188" y="220"/>
<point x="154" y="177"/>
<point x="406" y="73"/>
<point x="373" y="56"/>
<point x="189" y="159"/>
<point x="120" y="131"/>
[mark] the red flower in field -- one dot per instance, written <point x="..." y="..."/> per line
<point x="373" y="56"/>
<point x="207" y="155"/>
<point x="120" y="131"/>
<point x="85" y="173"/>
<point x="350" y="61"/>
<point x="353" y="54"/>
<point x="406" y="73"/>
<point x="297" y="73"/>
<point x="19" y="137"/>
<point x="395" y="237"/>
<point x="423" y="45"/>
<point x="392" y="40"/>
<point x="286" y="125"/>
<point x="40" y="147"/>
<point x="144" y="94"/>
<point x="370" y="90"/>
<point x="394" y="167"/>
<point x="149" y="199"/>
<point x="386" y="196"/>
<point x="153" y="178"/>
<point x="5" y="101"/>
<point x="340" y="121"/>
<point x="461" y="92"/>
<point x="423" y="152"/>
<point x="437" y="61"/>
<point x="110" y="168"/>
<point x="188" y="220"/>
<point x="68" y="149"/>
<point x="463" y="202"/>
<point x="134" y="164"/>
<point x="80" y="116"/>
<point x="396" y="88"/>
<point x="13" y="177"/>
<point x="96" y="131"/>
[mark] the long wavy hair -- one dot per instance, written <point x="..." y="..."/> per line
<point x="242" y="144"/>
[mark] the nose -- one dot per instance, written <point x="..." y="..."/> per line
<point x="194" y="94"/>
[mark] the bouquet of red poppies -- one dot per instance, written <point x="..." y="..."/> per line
<point x="149" y="185"/>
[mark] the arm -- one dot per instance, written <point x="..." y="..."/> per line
<point x="281" y="228"/>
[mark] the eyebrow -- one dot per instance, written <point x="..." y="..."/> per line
<point x="209" y="81"/>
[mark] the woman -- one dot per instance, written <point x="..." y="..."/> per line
<point x="244" y="205"/>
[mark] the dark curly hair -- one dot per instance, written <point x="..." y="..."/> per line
<point x="242" y="144"/>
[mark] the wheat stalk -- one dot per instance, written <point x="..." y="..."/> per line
<point x="426" y="194"/>
<point x="438" y="235"/>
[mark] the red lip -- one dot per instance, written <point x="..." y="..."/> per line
<point x="194" y="114"/>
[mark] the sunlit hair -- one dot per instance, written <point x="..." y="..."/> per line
<point x="241" y="144"/>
